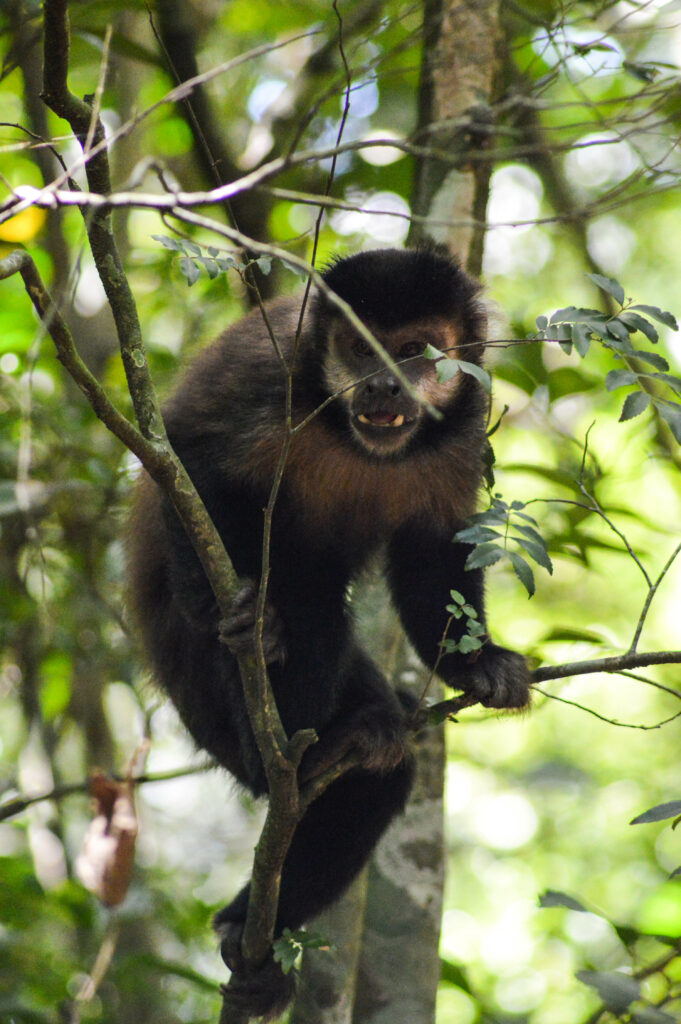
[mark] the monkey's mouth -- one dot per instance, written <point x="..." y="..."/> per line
<point x="383" y="419"/>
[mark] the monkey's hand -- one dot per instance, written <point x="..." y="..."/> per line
<point x="263" y="991"/>
<point x="237" y="630"/>
<point x="376" y="737"/>
<point x="497" y="678"/>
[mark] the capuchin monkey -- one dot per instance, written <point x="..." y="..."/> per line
<point x="371" y="469"/>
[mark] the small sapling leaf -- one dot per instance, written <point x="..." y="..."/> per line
<point x="469" y="643"/>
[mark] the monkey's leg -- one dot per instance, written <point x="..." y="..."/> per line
<point x="330" y="846"/>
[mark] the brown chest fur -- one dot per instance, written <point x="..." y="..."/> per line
<point x="340" y="492"/>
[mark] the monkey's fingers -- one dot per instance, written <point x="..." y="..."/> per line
<point x="237" y="630"/>
<point x="498" y="679"/>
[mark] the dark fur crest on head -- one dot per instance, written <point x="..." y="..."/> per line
<point x="404" y="283"/>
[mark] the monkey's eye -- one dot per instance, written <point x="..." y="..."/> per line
<point x="362" y="348"/>
<point x="411" y="349"/>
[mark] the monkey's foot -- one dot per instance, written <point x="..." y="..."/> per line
<point x="498" y="678"/>
<point x="263" y="991"/>
<point x="378" y="739"/>
<point x="237" y="629"/>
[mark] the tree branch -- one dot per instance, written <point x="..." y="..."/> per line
<point x="614" y="664"/>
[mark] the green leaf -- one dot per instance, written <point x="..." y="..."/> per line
<point x="265" y="264"/>
<point x="570" y="380"/>
<point x="211" y="267"/>
<point x="669" y="379"/>
<point x="618" y="330"/>
<point x="477" y="535"/>
<point x="659" y="812"/>
<point x="522" y="571"/>
<point x="643" y="72"/>
<point x="229" y="263"/>
<point x="639" y="323"/>
<point x="179" y="970"/>
<point x="536" y="551"/>
<point x="609" y="285"/>
<point x="291" y="944"/>
<point x="651" y="1015"/>
<point x="484" y="554"/>
<point x="446" y="369"/>
<point x="542" y="323"/>
<point x="453" y="974"/>
<point x="561" y="316"/>
<point x="531" y="532"/>
<point x="457" y="597"/>
<point x="571" y="634"/>
<point x="626" y="934"/>
<point x="581" y="338"/>
<point x="170" y="243"/>
<point x="618" y="991"/>
<point x="469" y="643"/>
<point x="620" y="378"/>
<point x="634" y="404"/>
<point x="439" y="713"/>
<point x="285" y="953"/>
<point x="189" y="270"/>
<point x="478" y="372"/>
<point x="671" y="413"/>
<point x="662" y="317"/>
<point x="555" y="898"/>
<point x="659" y="362"/>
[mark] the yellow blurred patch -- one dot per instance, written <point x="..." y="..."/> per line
<point x="24" y="226"/>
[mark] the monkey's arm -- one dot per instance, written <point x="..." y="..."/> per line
<point x="423" y="568"/>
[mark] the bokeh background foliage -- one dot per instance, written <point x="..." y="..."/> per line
<point x="585" y="180"/>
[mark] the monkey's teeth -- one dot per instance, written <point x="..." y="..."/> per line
<point x="397" y="421"/>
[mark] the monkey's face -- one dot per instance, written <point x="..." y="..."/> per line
<point x="383" y="413"/>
